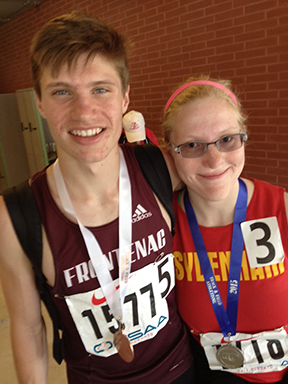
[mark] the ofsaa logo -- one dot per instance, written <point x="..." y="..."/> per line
<point x="140" y="214"/>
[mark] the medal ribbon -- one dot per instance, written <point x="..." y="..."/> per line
<point x="99" y="261"/>
<point x="227" y="320"/>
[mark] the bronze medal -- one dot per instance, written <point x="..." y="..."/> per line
<point x="230" y="356"/>
<point x="122" y="344"/>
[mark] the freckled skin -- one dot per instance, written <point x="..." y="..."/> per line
<point x="85" y="98"/>
<point x="212" y="177"/>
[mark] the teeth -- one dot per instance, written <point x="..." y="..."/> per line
<point x="88" y="133"/>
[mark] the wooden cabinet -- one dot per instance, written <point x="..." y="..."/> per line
<point x="35" y="131"/>
<point x="13" y="160"/>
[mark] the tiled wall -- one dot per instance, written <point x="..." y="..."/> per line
<point x="244" y="40"/>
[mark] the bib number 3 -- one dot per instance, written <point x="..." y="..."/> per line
<point x="263" y="242"/>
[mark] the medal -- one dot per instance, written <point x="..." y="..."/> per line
<point x="115" y="300"/>
<point x="122" y="344"/>
<point x="230" y="356"/>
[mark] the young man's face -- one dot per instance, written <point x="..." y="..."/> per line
<point x="83" y="107"/>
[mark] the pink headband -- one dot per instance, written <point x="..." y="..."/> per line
<point x="204" y="82"/>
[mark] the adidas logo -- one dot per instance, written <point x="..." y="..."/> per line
<point x="140" y="214"/>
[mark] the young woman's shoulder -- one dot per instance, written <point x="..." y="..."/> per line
<point x="250" y="188"/>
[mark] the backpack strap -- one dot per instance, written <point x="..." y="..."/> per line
<point x="25" y="218"/>
<point x="153" y="167"/>
<point x="24" y="215"/>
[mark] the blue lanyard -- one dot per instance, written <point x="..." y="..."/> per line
<point x="227" y="320"/>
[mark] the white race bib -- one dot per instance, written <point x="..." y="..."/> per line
<point x="145" y="310"/>
<point x="263" y="352"/>
<point x="262" y="242"/>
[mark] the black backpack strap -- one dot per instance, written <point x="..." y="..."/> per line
<point x="153" y="167"/>
<point x="25" y="218"/>
<point x="24" y="214"/>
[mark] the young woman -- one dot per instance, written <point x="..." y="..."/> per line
<point x="231" y="241"/>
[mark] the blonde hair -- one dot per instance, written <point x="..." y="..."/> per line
<point x="195" y="92"/>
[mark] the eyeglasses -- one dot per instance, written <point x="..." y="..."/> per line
<point x="198" y="148"/>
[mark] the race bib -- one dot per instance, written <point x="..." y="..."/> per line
<point x="262" y="242"/>
<point x="145" y="310"/>
<point x="263" y="352"/>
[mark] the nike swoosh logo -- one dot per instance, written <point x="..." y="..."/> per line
<point x="101" y="301"/>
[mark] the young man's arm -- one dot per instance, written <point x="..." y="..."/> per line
<point x="27" y="328"/>
<point x="177" y="183"/>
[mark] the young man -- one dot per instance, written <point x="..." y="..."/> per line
<point x="106" y="239"/>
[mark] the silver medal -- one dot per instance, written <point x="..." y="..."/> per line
<point x="230" y="356"/>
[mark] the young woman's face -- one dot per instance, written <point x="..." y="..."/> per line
<point x="213" y="175"/>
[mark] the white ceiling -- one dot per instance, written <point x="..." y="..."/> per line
<point x="12" y="8"/>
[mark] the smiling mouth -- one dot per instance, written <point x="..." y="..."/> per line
<point x="86" y="133"/>
<point x="215" y="175"/>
